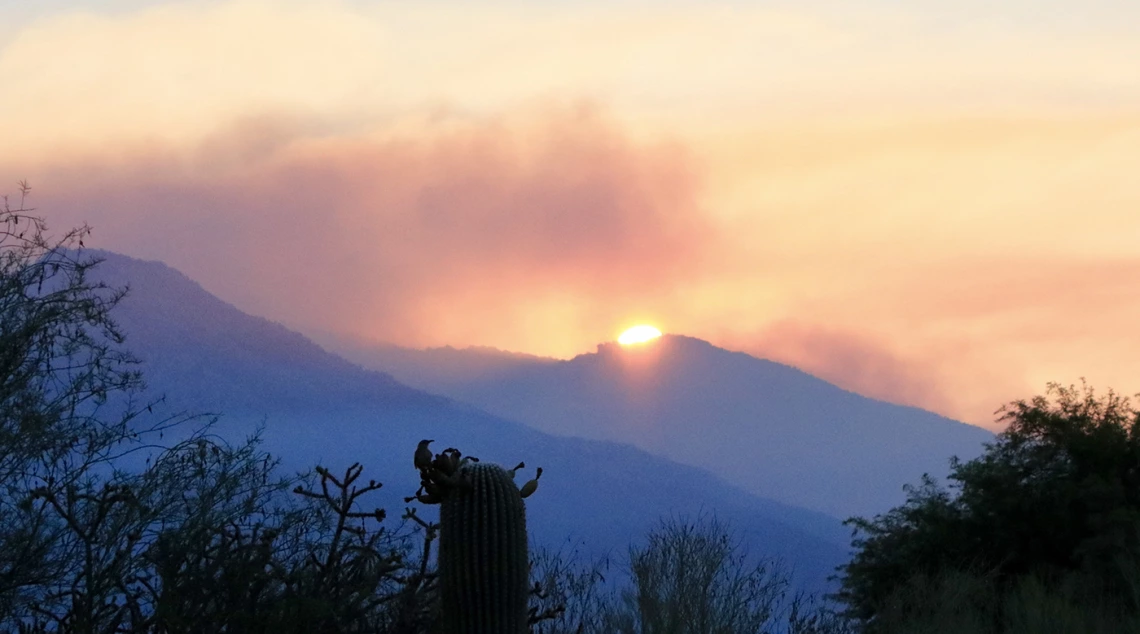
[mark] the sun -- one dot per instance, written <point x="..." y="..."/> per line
<point x="639" y="334"/>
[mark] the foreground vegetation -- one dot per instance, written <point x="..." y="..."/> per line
<point x="106" y="525"/>
<point x="1040" y="534"/>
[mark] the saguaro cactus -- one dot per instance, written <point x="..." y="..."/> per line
<point x="483" y="563"/>
<point x="484" y="566"/>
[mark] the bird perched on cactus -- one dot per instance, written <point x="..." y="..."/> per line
<point x="423" y="455"/>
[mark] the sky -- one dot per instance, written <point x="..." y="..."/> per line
<point x="934" y="203"/>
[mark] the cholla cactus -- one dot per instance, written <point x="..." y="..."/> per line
<point x="484" y="566"/>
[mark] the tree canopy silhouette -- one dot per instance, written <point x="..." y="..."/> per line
<point x="1056" y="498"/>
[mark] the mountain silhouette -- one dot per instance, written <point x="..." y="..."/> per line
<point x="768" y="428"/>
<point x="316" y="408"/>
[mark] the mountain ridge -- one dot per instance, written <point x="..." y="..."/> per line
<point x="781" y="432"/>
<point x="314" y="407"/>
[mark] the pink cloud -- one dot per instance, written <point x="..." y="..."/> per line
<point x="851" y="360"/>
<point x="545" y="233"/>
<point x="423" y="238"/>
<point x="948" y="381"/>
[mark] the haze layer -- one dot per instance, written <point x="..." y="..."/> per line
<point x="931" y="204"/>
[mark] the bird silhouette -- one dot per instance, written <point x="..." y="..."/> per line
<point x="423" y="455"/>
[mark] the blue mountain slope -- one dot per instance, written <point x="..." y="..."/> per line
<point x="771" y="429"/>
<point x="318" y="408"/>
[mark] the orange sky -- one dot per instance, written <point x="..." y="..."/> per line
<point x="936" y="205"/>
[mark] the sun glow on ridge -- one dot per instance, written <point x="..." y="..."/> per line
<point x="638" y="334"/>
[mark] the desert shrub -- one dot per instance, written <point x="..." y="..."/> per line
<point x="694" y="577"/>
<point x="1054" y="500"/>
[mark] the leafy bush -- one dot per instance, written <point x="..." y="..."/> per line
<point x="693" y="577"/>
<point x="1052" y="509"/>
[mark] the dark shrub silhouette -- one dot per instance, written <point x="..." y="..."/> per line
<point x="1051" y="508"/>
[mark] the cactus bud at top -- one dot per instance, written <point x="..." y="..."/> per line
<point x="531" y="486"/>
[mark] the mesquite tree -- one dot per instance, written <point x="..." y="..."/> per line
<point x="69" y="394"/>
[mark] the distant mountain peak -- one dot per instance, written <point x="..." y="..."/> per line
<point x="776" y="430"/>
<point x="666" y="342"/>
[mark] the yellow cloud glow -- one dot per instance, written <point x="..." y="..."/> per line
<point x="176" y="72"/>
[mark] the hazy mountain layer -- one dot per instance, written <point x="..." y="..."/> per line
<point x="318" y="408"/>
<point x="769" y="428"/>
